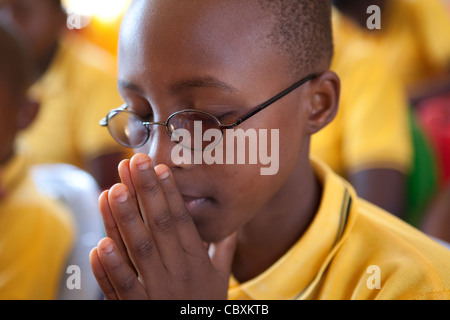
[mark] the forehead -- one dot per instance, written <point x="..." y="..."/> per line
<point x="171" y="37"/>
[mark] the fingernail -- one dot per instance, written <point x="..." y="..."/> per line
<point x="119" y="193"/>
<point x="122" y="196"/>
<point x="163" y="173"/>
<point x="143" y="164"/>
<point x="107" y="248"/>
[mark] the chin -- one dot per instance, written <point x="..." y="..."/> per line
<point x="212" y="232"/>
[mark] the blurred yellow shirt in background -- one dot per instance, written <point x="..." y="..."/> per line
<point x="353" y="250"/>
<point x="78" y="89"/>
<point x="371" y="128"/>
<point x="414" y="38"/>
<point x="36" y="237"/>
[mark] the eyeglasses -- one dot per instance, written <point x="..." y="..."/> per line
<point x="131" y="131"/>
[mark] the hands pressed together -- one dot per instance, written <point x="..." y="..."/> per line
<point x="153" y="249"/>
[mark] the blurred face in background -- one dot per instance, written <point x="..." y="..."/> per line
<point x="17" y="111"/>
<point x="39" y="22"/>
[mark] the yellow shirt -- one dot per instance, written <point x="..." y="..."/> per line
<point x="36" y="236"/>
<point x="414" y="37"/>
<point x="75" y="93"/>
<point x="371" y="128"/>
<point x="353" y="250"/>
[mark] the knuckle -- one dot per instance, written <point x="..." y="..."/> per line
<point x="116" y="267"/>
<point x="151" y="188"/>
<point x="127" y="283"/>
<point x="183" y="216"/>
<point x="164" y="220"/>
<point x="172" y="192"/>
<point x="145" y="248"/>
<point x="128" y="217"/>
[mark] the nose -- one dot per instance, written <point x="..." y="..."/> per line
<point x="159" y="147"/>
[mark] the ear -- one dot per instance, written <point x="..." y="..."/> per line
<point x="27" y="113"/>
<point x="324" y="101"/>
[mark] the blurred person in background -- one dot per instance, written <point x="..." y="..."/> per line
<point x="36" y="233"/>
<point x="75" y="85"/>
<point x="414" y="38"/>
<point x="368" y="142"/>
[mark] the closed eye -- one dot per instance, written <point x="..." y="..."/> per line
<point x="147" y="116"/>
<point x="228" y="117"/>
<point x="224" y="116"/>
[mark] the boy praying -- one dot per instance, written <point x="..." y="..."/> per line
<point x="187" y="231"/>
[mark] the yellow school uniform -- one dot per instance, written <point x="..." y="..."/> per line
<point x="75" y="93"/>
<point x="36" y="236"/>
<point x="353" y="250"/>
<point x="414" y="37"/>
<point x="371" y="128"/>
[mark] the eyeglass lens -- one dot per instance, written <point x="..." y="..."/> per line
<point x="127" y="129"/>
<point x="186" y="127"/>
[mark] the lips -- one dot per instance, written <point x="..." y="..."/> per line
<point x="193" y="203"/>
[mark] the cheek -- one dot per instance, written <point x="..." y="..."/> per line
<point x="238" y="196"/>
<point x="290" y="142"/>
<point x="242" y="190"/>
<point x="278" y="149"/>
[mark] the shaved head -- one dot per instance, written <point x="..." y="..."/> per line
<point x="302" y="32"/>
<point x="298" y="30"/>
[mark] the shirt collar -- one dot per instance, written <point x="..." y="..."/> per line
<point x="296" y="274"/>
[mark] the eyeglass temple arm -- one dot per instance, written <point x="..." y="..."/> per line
<point x="104" y="122"/>
<point x="269" y="102"/>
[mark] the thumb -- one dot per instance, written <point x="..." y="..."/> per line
<point x="222" y="253"/>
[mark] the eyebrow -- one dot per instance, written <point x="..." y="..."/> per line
<point x="129" y="85"/>
<point x="202" y="82"/>
<point x="197" y="82"/>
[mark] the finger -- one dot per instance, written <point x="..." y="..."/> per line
<point x="136" y="237"/>
<point x="101" y="277"/>
<point x="187" y="231"/>
<point x="222" y="254"/>
<point x="125" y="177"/>
<point x="111" y="229"/>
<point x="155" y="210"/>
<point x="122" y="278"/>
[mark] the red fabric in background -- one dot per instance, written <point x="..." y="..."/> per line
<point x="434" y="116"/>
